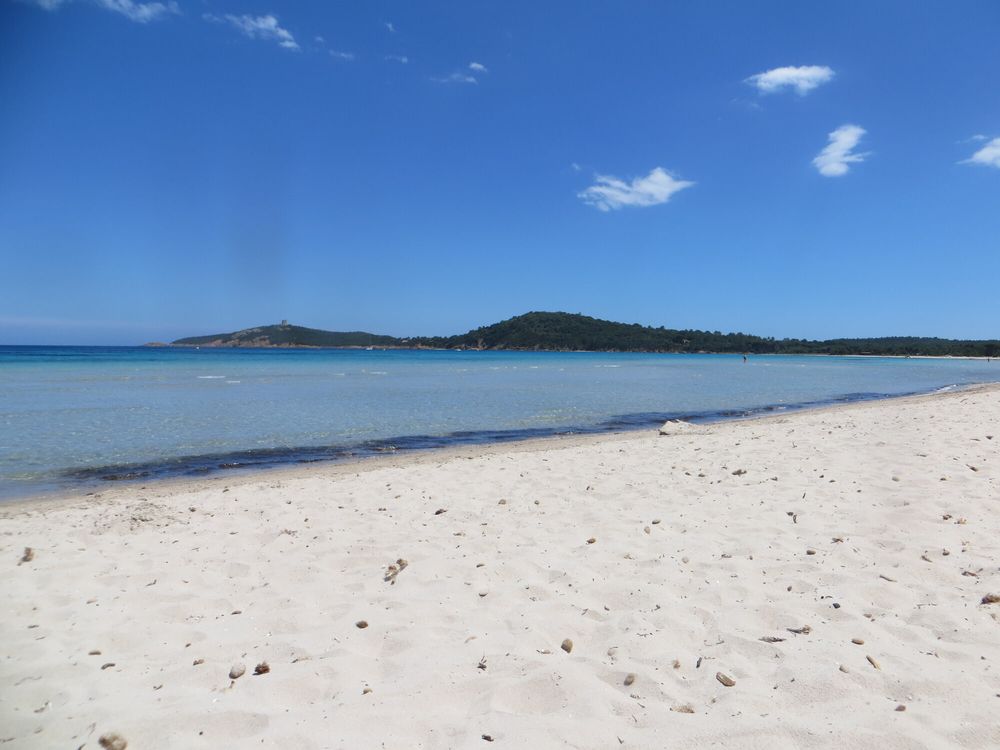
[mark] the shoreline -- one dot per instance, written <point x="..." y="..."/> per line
<point x="806" y="580"/>
<point x="516" y="350"/>
<point x="96" y="480"/>
<point x="111" y="490"/>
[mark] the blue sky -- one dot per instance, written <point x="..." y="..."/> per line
<point x="780" y="168"/>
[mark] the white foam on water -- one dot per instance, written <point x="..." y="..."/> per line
<point x="211" y="377"/>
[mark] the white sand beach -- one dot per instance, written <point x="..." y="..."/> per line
<point x="829" y="566"/>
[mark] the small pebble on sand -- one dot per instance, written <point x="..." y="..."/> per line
<point x="28" y="556"/>
<point x="858" y="641"/>
<point x="725" y="679"/>
<point x="362" y="624"/>
<point x="900" y="707"/>
<point x="591" y="540"/>
<point x="567" y="645"/>
<point x="990" y="599"/>
<point x="112" y="741"/>
<point x="262" y="668"/>
<point x="629" y="679"/>
<point x="237" y="671"/>
<point x="871" y="660"/>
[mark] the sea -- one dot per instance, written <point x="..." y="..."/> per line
<point x="73" y="418"/>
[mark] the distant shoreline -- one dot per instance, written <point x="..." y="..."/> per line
<point x="566" y="332"/>
<point x="529" y="350"/>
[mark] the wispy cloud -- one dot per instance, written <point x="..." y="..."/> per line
<point x="987" y="156"/>
<point x="338" y="55"/>
<point x="611" y="193"/>
<point x="478" y="67"/>
<point x="834" y="160"/>
<point x="388" y="25"/>
<point x="258" y="27"/>
<point x="401" y="59"/>
<point x="46" y="4"/>
<point x="803" y="79"/>
<point x="141" y="12"/>
<point x="138" y="12"/>
<point x="456" y="78"/>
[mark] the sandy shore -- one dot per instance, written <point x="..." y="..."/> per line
<point x="746" y="552"/>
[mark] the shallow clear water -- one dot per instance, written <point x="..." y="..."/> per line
<point x="76" y="414"/>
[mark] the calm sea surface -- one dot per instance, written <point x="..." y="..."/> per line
<point x="76" y="415"/>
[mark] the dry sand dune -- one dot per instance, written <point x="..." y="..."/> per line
<point x="830" y="564"/>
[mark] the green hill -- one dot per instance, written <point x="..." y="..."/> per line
<point x="568" y="331"/>
<point x="573" y="332"/>
<point x="289" y="336"/>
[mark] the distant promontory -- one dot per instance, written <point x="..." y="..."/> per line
<point x="559" y="331"/>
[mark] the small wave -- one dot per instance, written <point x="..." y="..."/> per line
<point x="211" y="377"/>
<point x="232" y="381"/>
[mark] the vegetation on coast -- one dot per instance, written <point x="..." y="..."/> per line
<point x="289" y="336"/>
<point x="561" y="331"/>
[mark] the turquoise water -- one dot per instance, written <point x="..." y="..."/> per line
<point x="72" y="415"/>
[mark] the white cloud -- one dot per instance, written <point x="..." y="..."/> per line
<point x="258" y="27"/>
<point x="390" y="27"/>
<point x="319" y="39"/>
<point x="611" y="193"/>
<point x="401" y="59"/>
<point x="478" y="67"/>
<point x="988" y="155"/>
<point x="456" y="78"/>
<point x="803" y="78"/>
<point x="138" y="12"/>
<point x="338" y="55"/>
<point x="141" y="12"/>
<point x="834" y="160"/>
